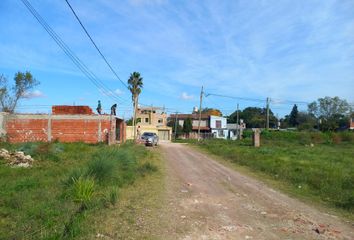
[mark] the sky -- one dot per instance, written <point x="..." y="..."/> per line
<point x="285" y="50"/>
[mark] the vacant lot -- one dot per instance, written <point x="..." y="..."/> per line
<point x="316" y="165"/>
<point x="66" y="187"/>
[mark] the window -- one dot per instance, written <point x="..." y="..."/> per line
<point x="218" y="123"/>
<point x="146" y="120"/>
<point x="160" y="120"/>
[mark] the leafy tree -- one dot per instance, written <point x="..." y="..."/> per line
<point x="212" y="111"/>
<point x="294" y="117"/>
<point x="135" y="84"/>
<point x="172" y="124"/>
<point x="10" y="95"/>
<point x="333" y="113"/>
<point x="306" y="121"/>
<point x="129" y="122"/>
<point x="187" y="126"/>
<point x="254" y="117"/>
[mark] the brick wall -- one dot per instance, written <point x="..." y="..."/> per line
<point x="71" y="110"/>
<point x="65" y="128"/>
<point x="27" y="130"/>
<point x="69" y="130"/>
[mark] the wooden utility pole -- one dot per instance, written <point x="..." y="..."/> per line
<point x="134" y="116"/>
<point x="176" y="126"/>
<point x="200" y="112"/>
<point x="267" y="113"/>
<point x="238" y="123"/>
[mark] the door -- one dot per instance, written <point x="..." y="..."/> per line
<point x="163" y="134"/>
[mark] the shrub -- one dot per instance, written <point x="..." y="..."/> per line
<point x="101" y="168"/>
<point x="247" y="134"/>
<point x="347" y="136"/>
<point x="113" y="196"/>
<point x="83" y="190"/>
<point x="147" y="168"/>
<point x="336" y="138"/>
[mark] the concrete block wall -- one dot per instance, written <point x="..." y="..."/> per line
<point x="65" y="128"/>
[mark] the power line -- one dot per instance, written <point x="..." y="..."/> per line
<point x="84" y="69"/>
<point x="233" y="97"/>
<point x="93" y="42"/>
<point x="272" y="100"/>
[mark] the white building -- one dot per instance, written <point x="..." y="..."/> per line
<point x="218" y="126"/>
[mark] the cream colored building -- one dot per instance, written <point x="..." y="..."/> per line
<point x="151" y="119"/>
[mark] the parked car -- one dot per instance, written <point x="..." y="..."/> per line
<point x="150" y="139"/>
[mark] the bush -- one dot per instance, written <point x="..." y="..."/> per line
<point x="101" y="168"/>
<point x="83" y="190"/>
<point x="347" y="136"/>
<point x="146" y="168"/>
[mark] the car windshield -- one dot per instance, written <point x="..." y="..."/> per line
<point x="148" y="134"/>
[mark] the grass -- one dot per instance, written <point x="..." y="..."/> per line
<point x="141" y="210"/>
<point x="68" y="185"/>
<point x="319" y="166"/>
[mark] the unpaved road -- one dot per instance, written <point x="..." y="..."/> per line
<point x="207" y="200"/>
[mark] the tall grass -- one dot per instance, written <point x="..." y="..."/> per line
<point x="66" y="184"/>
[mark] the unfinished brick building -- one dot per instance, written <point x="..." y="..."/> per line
<point x="65" y="124"/>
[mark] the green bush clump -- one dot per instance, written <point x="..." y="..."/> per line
<point x="147" y="168"/>
<point x="83" y="190"/>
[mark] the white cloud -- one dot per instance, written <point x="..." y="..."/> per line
<point x="118" y="92"/>
<point x="34" y="94"/>
<point x="186" y="96"/>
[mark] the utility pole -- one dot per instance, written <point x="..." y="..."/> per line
<point x="200" y="112"/>
<point x="238" y="122"/>
<point x="268" y="100"/>
<point x="176" y="126"/>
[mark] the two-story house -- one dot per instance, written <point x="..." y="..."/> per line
<point x="215" y="125"/>
<point x="151" y="119"/>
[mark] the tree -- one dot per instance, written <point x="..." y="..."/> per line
<point x="129" y="122"/>
<point x="135" y="84"/>
<point x="187" y="126"/>
<point x="176" y="130"/>
<point x="306" y="121"/>
<point x="293" y="117"/>
<point x="212" y="111"/>
<point x="331" y="112"/>
<point x="254" y="117"/>
<point x="10" y="95"/>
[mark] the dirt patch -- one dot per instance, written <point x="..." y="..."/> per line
<point x="207" y="200"/>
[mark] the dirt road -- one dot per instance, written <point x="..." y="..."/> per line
<point x="210" y="201"/>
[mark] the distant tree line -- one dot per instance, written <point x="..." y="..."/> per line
<point x="325" y="114"/>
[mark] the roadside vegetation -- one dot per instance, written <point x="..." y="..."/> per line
<point x="67" y="186"/>
<point x="313" y="164"/>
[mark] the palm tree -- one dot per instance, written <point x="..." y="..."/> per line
<point x="135" y="84"/>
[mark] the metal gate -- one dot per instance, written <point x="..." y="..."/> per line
<point x="164" y="135"/>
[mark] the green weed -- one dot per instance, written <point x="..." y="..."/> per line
<point x="83" y="190"/>
<point x="48" y="202"/>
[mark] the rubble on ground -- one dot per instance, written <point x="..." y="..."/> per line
<point x="16" y="159"/>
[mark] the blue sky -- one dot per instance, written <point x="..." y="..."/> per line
<point x="293" y="50"/>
